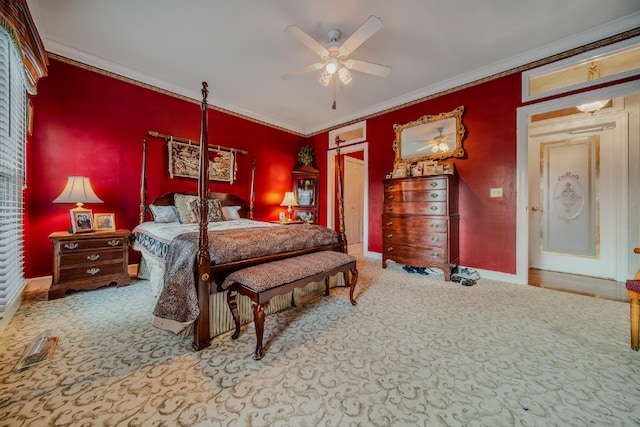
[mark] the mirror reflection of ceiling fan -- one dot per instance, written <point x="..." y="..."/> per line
<point x="438" y="144"/>
<point x="334" y="56"/>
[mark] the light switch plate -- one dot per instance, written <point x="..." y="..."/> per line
<point x="495" y="192"/>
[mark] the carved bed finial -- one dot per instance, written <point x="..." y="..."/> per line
<point x="205" y="92"/>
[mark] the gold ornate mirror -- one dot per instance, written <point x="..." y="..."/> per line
<point x="431" y="137"/>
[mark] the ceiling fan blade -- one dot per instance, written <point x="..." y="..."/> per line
<point x="301" y="71"/>
<point x="368" y="67"/>
<point x="372" y="25"/>
<point x="306" y="40"/>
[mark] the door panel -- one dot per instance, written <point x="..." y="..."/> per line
<point x="353" y="199"/>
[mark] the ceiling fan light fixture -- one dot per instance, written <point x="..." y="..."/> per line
<point x="331" y="67"/>
<point x="344" y="75"/>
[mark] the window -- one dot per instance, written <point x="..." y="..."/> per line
<point x="12" y="138"/>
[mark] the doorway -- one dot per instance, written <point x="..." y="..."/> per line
<point x="624" y="171"/>
<point x="355" y="189"/>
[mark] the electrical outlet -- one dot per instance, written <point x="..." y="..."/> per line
<point x="495" y="192"/>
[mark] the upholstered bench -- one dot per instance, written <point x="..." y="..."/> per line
<point x="264" y="281"/>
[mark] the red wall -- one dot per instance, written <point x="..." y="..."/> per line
<point x="86" y="123"/>
<point x="487" y="226"/>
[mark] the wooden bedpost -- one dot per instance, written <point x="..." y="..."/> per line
<point x="143" y="182"/>
<point x="340" y="198"/>
<point x="252" y="196"/>
<point x="201" y="338"/>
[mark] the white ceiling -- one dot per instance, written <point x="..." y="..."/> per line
<point x="240" y="48"/>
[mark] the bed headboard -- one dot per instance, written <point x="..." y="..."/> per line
<point x="226" y="199"/>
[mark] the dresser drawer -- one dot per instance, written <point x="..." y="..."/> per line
<point x="416" y="208"/>
<point x="90" y="271"/>
<point x="408" y="237"/>
<point x="78" y="245"/>
<point x="416" y="257"/>
<point x="414" y="184"/>
<point x="90" y="257"/>
<point x="419" y="224"/>
<point x="417" y="196"/>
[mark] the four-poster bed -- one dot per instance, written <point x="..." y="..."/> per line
<point x="197" y="257"/>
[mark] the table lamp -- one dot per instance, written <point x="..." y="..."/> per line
<point x="289" y="201"/>
<point x="78" y="190"/>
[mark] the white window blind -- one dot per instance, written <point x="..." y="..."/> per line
<point x="12" y="139"/>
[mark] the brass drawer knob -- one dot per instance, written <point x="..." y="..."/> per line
<point x="93" y="271"/>
<point x="434" y="239"/>
<point x="390" y="235"/>
<point x="390" y="187"/>
<point x="434" y="195"/>
<point x="389" y="222"/>
<point x="390" y="197"/>
<point x="434" y="208"/>
<point x="390" y="208"/>
<point x="435" y="255"/>
<point x="113" y="242"/>
<point x="71" y="245"/>
<point x="434" y="184"/>
<point x="93" y="257"/>
<point x="435" y="226"/>
<point x="390" y="249"/>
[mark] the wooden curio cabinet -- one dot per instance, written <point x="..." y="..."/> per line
<point x="305" y="182"/>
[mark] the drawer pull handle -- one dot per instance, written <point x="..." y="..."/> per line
<point x="389" y="222"/>
<point x="390" y="187"/>
<point x="71" y="246"/>
<point x="434" y="208"/>
<point x="93" y="257"/>
<point x="390" y="249"/>
<point x="113" y="243"/>
<point x="389" y="236"/>
<point x="434" y="195"/>
<point x="434" y="239"/>
<point x="435" y="226"/>
<point x="435" y="255"/>
<point x="434" y="184"/>
<point x="93" y="271"/>
<point x="390" y="197"/>
<point x="390" y="208"/>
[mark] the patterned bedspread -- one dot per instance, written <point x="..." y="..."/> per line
<point x="178" y="299"/>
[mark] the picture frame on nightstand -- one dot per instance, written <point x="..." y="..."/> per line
<point x="81" y="220"/>
<point x="104" y="222"/>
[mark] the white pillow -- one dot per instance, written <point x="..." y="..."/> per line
<point x="164" y="213"/>
<point x="231" y="212"/>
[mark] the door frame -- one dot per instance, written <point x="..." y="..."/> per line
<point x="331" y="190"/>
<point x="522" y="172"/>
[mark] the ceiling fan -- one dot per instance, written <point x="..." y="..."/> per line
<point x="334" y="55"/>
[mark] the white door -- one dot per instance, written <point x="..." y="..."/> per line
<point x="353" y="199"/>
<point x="572" y="194"/>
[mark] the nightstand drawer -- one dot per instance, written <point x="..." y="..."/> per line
<point x="78" y="245"/>
<point x="90" y="271"/>
<point x="90" y="257"/>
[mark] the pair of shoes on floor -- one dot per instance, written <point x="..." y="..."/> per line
<point x="467" y="273"/>
<point x="462" y="280"/>
<point x="419" y="270"/>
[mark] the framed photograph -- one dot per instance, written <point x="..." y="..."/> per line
<point x="399" y="170"/>
<point x="104" y="221"/>
<point x="81" y="220"/>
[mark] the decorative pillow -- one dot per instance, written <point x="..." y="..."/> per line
<point x="183" y="203"/>
<point x="231" y="212"/>
<point x="164" y="213"/>
<point x="214" y="210"/>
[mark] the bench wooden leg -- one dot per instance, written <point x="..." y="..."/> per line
<point x="634" y="298"/>
<point x="352" y="286"/>
<point x="233" y="306"/>
<point x="326" y="286"/>
<point x="258" y="322"/>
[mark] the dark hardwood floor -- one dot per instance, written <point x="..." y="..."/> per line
<point x="583" y="285"/>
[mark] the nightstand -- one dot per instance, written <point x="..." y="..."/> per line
<point x="87" y="261"/>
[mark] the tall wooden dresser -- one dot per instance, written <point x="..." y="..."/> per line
<point x="420" y="222"/>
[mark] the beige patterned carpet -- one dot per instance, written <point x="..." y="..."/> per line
<point x="414" y="351"/>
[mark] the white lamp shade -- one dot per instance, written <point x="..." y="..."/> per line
<point x="78" y="190"/>
<point x="289" y="199"/>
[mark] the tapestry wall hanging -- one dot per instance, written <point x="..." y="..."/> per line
<point x="184" y="161"/>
